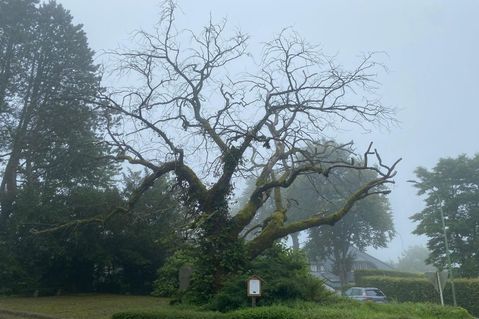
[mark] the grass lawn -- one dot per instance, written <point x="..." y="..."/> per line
<point x="81" y="306"/>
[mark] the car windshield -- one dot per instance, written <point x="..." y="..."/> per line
<point x="374" y="293"/>
<point x="356" y="292"/>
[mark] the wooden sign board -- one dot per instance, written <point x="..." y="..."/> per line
<point x="254" y="287"/>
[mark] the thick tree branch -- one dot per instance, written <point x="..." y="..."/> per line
<point x="276" y="228"/>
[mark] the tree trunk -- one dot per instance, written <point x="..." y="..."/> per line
<point x="220" y="251"/>
<point x="340" y="267"/>
<point x="295" y="239"/>
<point x="343" y="274"/>
<point x="8" y="186"/>
<point x="5" y="73"/>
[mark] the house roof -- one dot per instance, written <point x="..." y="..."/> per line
<point x="362" y="256"/>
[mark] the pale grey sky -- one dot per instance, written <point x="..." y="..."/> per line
<point x="432" y="54"/>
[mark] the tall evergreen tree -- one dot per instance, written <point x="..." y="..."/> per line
<point x="50" y="170"/>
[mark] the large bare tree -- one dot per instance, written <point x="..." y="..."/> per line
<point x="190" y="115"/>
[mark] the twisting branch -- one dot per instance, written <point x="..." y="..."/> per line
<point x="146" y="184"/>
<point x="214" y="126"/>
<point x="276" y="228"/>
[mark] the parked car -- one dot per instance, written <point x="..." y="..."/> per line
<point x="366" y="294"/>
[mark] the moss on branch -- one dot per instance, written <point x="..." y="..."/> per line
<point x="276" y="228"/>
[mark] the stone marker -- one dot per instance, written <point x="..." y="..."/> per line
<point x="184" y="276"/>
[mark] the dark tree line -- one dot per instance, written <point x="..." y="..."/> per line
<point x="54" y="169"/>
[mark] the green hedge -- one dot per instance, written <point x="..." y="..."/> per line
<point x="421" y="290"/>
<point x="358" y="274"/>
<point x="273" y="312"/>
<point x="402" y="289"/>
<point x="344" y="309"/>
<point x="467" y="294"/>
<point x="169" y="313"/>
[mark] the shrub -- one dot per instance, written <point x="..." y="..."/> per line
<point x="169" y="313"/>
<point x="285" y="275"/>
<point x="167" y="283"/>
<point x="402" y="289"/>
<point x="341" y="310"/>
<point x="273" y="312"/>
<point x="284" y="271"/>
<point x="467" y="294"/>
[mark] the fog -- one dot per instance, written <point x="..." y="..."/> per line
<point x="429" y="47"/>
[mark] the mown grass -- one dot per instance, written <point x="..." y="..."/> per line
<point x="82" y="306"/>
<point x="104" y="306"/>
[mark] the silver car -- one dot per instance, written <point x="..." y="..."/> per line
<point x="366" y="294"/>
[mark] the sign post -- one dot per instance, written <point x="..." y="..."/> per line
<point x="438" y="279"/>
<point x="254" y="289"/>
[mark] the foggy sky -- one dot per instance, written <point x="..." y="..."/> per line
<point x="432" y="53"/>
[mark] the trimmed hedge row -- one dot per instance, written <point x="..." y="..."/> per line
<point x="341" y="310"/>
<point x="358" y="274"/>
<point x="272" y="312"/>
<point x="402" y="289"/>
<point x="421" y="290"/>
<point x="467" y="294"/>
<point x="169" y="314"/>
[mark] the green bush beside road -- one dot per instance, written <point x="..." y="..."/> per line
<point x="359" y="274"/>
<point x="340" y="310"/>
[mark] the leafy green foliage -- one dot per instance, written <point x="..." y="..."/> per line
<point x="285" y="276"/>
<point x="359" y="274"/>
<point x="52" y="171"/>
<point x="218" y="257"/>
<point x="344" y="309"/>
<point x="453" y="187"/>
<point x="68" y="260"/>
<point x="284" y="272"/>
<point x="169" y="314"/>
<point x="402" y="289"/>
<point x="272" y="312"/>
<point x="107" y="257"/>
<point x="167" y="283"/>
<point x="51" y="128"/>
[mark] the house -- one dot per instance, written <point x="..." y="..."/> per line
<point x="324" y="268"/>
